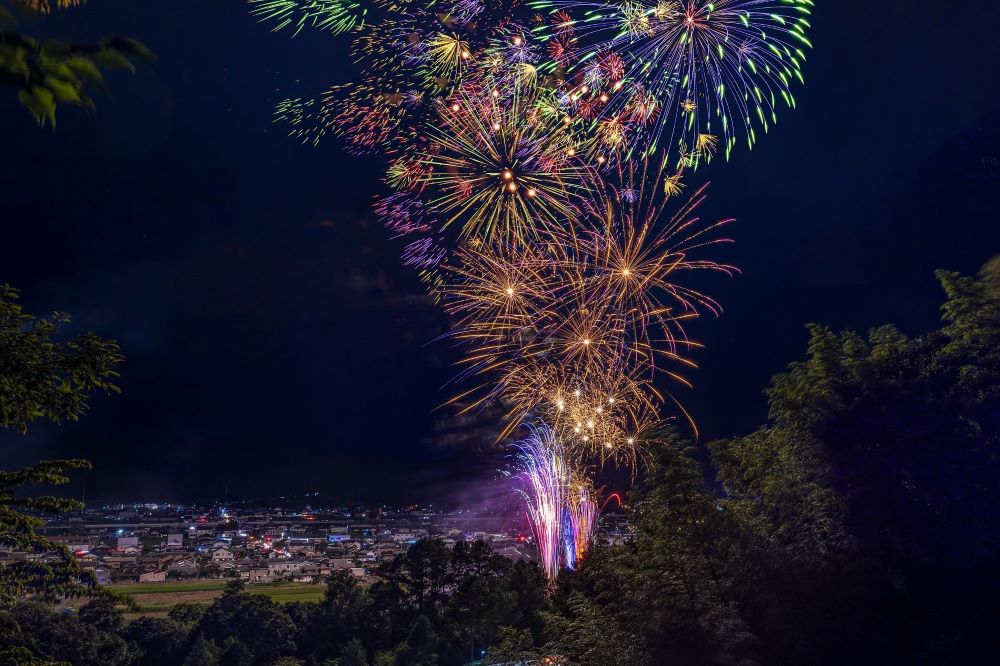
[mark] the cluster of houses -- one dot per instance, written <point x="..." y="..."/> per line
<point x="156" y="543"/>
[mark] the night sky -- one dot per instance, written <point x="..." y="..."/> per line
<point x="275" y="344"/>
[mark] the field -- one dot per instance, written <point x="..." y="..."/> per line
<point x="158" y="598"/>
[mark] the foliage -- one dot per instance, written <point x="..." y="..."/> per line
<point x="43" y="376"/>
<point x="512" y="646"/>
<point x="62" y="638"/>
<point x="665" y="597"/>
<point x="51" y="572"/>
<point x="255" y="625"/>
<point x="353" y="654"/>
<point x="467" y="595"/>
<point x="157" y="641"/>
<point x="855" y="527"/>
<point x="879" y="463"/>
<point x="45" y="74"/>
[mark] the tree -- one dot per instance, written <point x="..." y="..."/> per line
<point x="417" y="650"/>
<point x="587" y="633"/>
<point x="42" y="375"/>
<point x="513" y="646"/>
<point x="47" y="74"/>
<point x="422" y="644"/>
<point x="103" y="614"/>
<point x="187" y="613"/>
<point x="870" y="487"/>
<point x="53" y="572"/>
<point x="250" y="628"/>
<point x="422" y="574"/>
<point x="63" y="638"/>
<point x="353" y="655"/>
<point x="668" y="594"/>
<point x="203" y="653"/>
<point x="338" y="620"/>
<point x="157" y="641"/>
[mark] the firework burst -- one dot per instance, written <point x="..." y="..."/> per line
<point x="575" y="329"/>
<point x="713" y="66"/>
<point x="500" y="169"/>
<point x="335" y="16"/>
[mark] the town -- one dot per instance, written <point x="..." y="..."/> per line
<point x="154" y="543"/>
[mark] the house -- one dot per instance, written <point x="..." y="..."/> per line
<point x="153" y="577"/>
<point x="116" y="561"/>
<point x="259" y="575"/>
<point x="282" y="568"/>
<point x="183" y="568"/>
<point x="222" y="555"/>
<point x="127" y="573"/>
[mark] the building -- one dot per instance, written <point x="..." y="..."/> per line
<point x="283" y="568"/>
<point x="257" y="574"/>
<point x="222" y="555"/>
<point x="153" y="577"/>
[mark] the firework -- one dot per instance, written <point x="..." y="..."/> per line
<point x="533" y="202"/>
<point x="368" y="115"/>
<point x="600" y="419"/>
<point x="712" y="66"/>
<point x="562" y="508"/>
<point x="576" y="328"/>
<point x="403" y="214"/>
<point x="546" y="476"/>
<point x="308" y="119"/>
<point x="435" y="45"/>
<point x="581" y="512"/>
<point x="498" y="168"/>
<point x="335" y="16"/>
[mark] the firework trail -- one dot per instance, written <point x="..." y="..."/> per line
<point x="546" y="477"/>
<point x="561" y="504"/>
<point x="581" y="508"/>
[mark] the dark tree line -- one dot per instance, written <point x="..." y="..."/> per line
<point x="433" y="605"/>
<point x="858" y="526"/>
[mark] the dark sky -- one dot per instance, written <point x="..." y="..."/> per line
<point x="274" y="343"/>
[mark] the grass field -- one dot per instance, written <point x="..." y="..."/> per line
<point x="158" y="598"/>
<point x="166" y="588"/>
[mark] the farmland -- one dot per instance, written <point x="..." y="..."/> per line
<point x="158" y="598"/>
